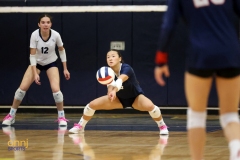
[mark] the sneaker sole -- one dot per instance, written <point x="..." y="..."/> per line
<point x="8" y="124"/>
<point x="71" y="132"/>
<point x="166" y="133"/>
<point x="62" y="124"/>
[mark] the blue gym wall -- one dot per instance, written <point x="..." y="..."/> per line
<point x="86" y="38"/>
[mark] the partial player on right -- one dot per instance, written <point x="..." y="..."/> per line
<point x="214" y="53"/>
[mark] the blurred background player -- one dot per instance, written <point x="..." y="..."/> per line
<point x="125" y="92"/>
<point x="42" y="57"/>
<point x="214" y="52"/>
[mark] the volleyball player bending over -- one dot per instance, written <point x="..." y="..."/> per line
<point x="125" y="92"/>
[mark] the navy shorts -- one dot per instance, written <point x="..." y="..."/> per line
<point x="127" y="102"/>
<point x="225" y="73"/>
<point x="46" y="67"/>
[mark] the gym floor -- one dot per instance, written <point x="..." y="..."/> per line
<point x="106" y="137"/>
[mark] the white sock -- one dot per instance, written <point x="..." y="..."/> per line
<point x="234" y="147"/>
<point x="61" y="114"/>
<point x="13" y="112"/>
<point x="160" y="123"/>
<point x="82" y="122"/>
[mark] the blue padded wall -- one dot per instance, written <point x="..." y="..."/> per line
<point x="86" y="38"/>
<point x="176" y="95"/>
<point x="13" y="57"/>
<point x="145" y="35"/>
<point x="113" y="27"/>
<point x="80" y="40"/>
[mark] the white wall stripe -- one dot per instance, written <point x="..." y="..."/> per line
<point x="70" y="9"/>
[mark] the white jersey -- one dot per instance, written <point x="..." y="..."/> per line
<point x="45" y="53"/>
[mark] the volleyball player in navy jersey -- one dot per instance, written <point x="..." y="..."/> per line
<point x="42" y="57"/>
<point x="126" y="92"/>
<point x="214" y="51"/>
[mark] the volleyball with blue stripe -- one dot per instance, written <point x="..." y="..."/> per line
<point x="105" y="75"/>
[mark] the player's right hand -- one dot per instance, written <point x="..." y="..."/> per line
<point x="111" y="95"/>
<point x="37" y="79"/>
<point x="159" y="72"/>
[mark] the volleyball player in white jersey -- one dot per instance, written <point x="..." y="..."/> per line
<point x="42" y="57"/>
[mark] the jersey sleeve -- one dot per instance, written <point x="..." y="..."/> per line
<point x="170" y="19"/>
<point x="33" y="41"/>
<point x="127" y="70"/>
<point x="59" y="40"/>
<point x="236" y="5"/>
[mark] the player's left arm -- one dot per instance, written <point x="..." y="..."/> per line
<point x="126" y="72"/>
<point x="236" y="6"/>
<point x="115" y="86"/>
<point x="170" y="20"/>
<point x="123" y="77"/>
<point x="63" y="56"/>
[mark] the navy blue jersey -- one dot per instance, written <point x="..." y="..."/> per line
<point x="130" y="88"/>
<point x="213" y="37"/>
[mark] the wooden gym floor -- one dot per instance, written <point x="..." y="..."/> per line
<point x="106" y="137"/>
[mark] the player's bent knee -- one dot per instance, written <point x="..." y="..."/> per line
<point x="227" y="118"/>
<point x="88" y="111"/>
<point x="196" y="119"/>
<point x="155" y="113"/>
<point x="58" y="97"/>
<point x="19" y="94"/>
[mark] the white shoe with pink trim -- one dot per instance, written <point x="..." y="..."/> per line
<point x="163" y="129"/>
<point x="62" y="121"/>
<point x="77" y="128"/>
<point x="8" y="120"/>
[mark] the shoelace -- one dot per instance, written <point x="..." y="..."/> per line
<point x="61" y="119"/>
<point x="76" y="125"/>
<point x="7" y="117"/>
<point x="163" y="127"/>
